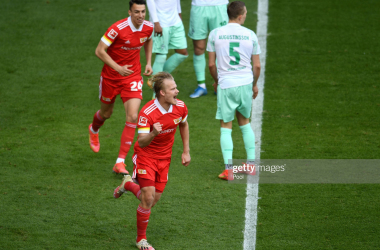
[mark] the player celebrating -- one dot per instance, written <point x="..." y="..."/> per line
<point x="158" y="121"/>
<point x="119" y="49"/>
<point x="169" y="33"/>
<point x="205" y="15"/>
<point x="234" y="47"/>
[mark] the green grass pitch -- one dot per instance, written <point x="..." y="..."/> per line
<point x="321" y="102"/>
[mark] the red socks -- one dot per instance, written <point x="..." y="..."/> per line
<point x="142" y="222"/>
<point x="133" y="187"/>
<point x="127" y="139"/>
<point x="97" y="122"/>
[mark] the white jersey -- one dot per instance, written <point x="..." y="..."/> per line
<point x="234" y="46"/>
<point x="208" y="2"/>
<point x="164" y="11"/>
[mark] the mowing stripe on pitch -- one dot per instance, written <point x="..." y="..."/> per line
<point x="257" y="110"/>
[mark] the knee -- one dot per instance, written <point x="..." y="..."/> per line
<point x="106" y="114"/>
<point x="183" y="52"/>
<point x="199" y="51"/>
<point x="132" y="118"/>
<point x="148" y="201"/>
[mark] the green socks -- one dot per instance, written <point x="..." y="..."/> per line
<point x="249" y="140"/>
<point x="199" y="63"/>
<point x="173" y="62"/>
<point x="159" y="63"/>
<point x="226" y="144"/>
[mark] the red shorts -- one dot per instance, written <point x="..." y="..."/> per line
<point x="151" y="172"/>
<point x="127" y="89"/>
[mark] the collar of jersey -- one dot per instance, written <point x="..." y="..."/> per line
<point x="163" y="111"/>
<point x="133" y="28"/>
<point x="235" y="24"/>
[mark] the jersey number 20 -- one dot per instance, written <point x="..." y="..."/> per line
<point x="234" y="53"/>
<point x="136" y="86"/>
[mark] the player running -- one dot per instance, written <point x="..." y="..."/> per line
<point x="205" y="15"/>
<point x="169" y="33"/>
<point x="234" y="47"/>
<point x="119" y="49"/>
<point x="158" y="121"/>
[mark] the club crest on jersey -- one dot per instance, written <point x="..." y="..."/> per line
<point x="141" y="171"/>
<point x="176" y="121"/>
<point x="112" y="34"/>
<point x="142" y="121"/>
<point x="143" y="40"/>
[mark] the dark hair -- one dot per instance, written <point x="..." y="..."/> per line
<point x="235" y="9"/>
<point x="158" y="81"/>
<point x="131" y="2"/>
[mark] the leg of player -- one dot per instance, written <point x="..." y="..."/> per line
<point x="131" y="110"/>
<point x="100" y="117"/>
<point x="176" y="59"/>
<point x="248" y="138"/>
<point x="143" y="213"/>
<point x="199" y="62"/>
<point x="227" y="147"/>
<point x="158" y="66"/>
<point x="127" y="185"/>
<point x="159" y="63"/>
<point x="248" y="135"/>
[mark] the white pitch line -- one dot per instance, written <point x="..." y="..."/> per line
<point x="256" y="122"/>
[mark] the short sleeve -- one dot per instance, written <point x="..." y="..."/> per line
<point x="211" y="41"/>
<point x="185" y="114"/>
<point x="143" y="125"/>
<point x="151" y="35"/>
<point x="111" y="35"/>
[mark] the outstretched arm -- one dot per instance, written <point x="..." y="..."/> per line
<point x="184" y="130"/>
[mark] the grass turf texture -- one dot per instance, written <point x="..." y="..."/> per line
<point x="321" y="102"/>
<point x="56" y="193"/>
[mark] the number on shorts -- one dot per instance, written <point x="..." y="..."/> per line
<point x="234" y="53"/>
<point x="136" y="86"/>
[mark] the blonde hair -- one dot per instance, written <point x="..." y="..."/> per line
<point x="158" y="81"/>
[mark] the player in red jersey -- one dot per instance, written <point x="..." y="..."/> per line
<point x="119" y="49"/>
<point x="158" y="121"/>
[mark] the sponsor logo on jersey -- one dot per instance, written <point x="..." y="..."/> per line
<point x="143" y="40"/>
<point x="112" y="34"/>
<point x="176" y="121"/>
<point x="128" y="42"/>
<point x="141" y="171"/>
<point x="142" y="121"/>
<point x="167" y="131"/>
<point x="106" y="99"/>
<point x="133" y="48"/>
<point x="128" y="142"/>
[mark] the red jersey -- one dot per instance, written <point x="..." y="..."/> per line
<point x="161" y="145"/>
<point x="125" y="43"/>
